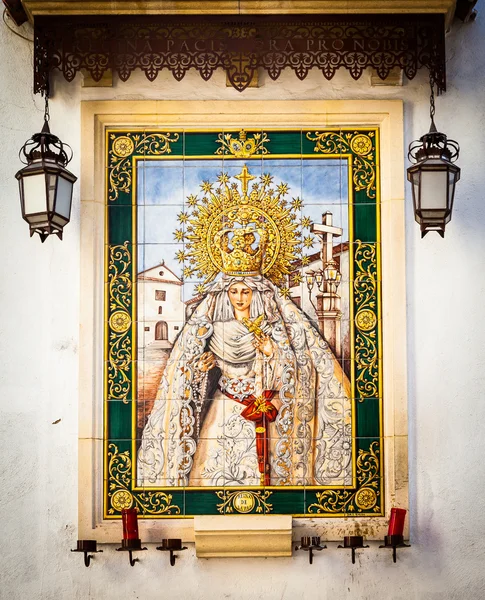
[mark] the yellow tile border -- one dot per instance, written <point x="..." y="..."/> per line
<point x="96" y="117"/>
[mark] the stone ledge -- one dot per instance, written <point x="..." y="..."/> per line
<point x="239" y="535"/>
<point x="232" y="7"/>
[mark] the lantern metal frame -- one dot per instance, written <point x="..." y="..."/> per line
<point x="43" y="154"/>
<point x="433" y="152"/>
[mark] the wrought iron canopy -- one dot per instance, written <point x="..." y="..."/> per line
<point x="238" y="44"/>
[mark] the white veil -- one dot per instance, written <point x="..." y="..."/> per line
<point x="313" y="427"/>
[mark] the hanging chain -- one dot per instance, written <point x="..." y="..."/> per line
<point x="47" y="115"/>
<point x="432" y="108"/>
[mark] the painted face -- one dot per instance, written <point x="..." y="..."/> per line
<point x="240" y="296"/>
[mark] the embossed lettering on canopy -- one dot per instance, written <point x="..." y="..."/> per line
<point x="238" y="44"/>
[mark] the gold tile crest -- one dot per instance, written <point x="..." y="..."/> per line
<point x="244" y="501"/>
<point x="244" y="146"/>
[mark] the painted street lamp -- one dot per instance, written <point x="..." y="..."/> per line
<point x="310" y="280"/>
<point x="331" y="271"/>
<point x="45" y="184"/>
<point x="332" y="276"/>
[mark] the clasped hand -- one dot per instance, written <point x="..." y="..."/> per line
<point x="207" y="361"/>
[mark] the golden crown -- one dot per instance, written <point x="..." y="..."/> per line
<point x="240" y="227"/>
<point x="239" y="257"/>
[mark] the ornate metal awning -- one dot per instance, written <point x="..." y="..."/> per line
<point x="239" y="44"/>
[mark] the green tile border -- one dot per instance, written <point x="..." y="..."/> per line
<point x="360" y="148"/>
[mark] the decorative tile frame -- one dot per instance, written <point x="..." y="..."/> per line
<point x="384" y="119"/>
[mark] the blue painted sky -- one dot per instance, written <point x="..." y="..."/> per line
<point x="163" y="186"/>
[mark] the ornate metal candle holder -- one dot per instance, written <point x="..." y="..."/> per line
<point x="394" y="541"/>
<point x="309" y="544"/>
<point x="131" y="546"/>
<point x="87" y="546"/>
<point x="171" y="545"/>
<point x="353" y="542"/>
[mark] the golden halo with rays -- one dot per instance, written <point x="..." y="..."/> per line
<point x="242" y="201"/>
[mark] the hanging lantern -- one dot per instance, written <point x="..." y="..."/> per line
<point x="45" y="184"/>
<point x="433" y="177"/>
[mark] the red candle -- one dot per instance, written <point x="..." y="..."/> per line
<point x="130" y="523"/>
<point x="396" y="521"/>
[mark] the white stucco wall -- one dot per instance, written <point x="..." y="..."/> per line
<point x="39" y="375"/>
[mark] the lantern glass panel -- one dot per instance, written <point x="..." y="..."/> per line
<point x="64" y="196"/>
<point x="34" y="194"/>
<point x="414" y="178"/>
<point x="453" y="177"/>
<point x="331" y="273"/>
<point x="51" y="190"/>
<point x="434" y="189"/>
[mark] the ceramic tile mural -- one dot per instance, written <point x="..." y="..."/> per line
<point x="243" y="323"/>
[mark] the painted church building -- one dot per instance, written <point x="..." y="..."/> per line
<point x="160" y="302"/>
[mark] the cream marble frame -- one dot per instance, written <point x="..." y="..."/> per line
<point x="99" y="115"/>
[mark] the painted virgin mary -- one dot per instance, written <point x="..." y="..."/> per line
<point x="251" y="394"/>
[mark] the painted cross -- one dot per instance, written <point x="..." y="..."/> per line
<point x="244" y="177"/>
<point x="327" y="231"/>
